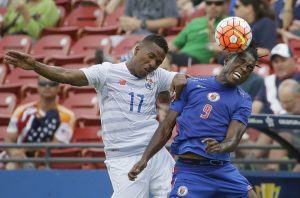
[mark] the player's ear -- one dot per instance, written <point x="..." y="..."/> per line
<point x="136" y="49"/>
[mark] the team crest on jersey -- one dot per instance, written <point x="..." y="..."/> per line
<point x="150" y="83"/>
<point x="182" y="191"/>
<point x="213" y="96"/>
<point x="122" y="82"/>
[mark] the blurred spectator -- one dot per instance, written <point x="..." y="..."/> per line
<point x="289" y="96"/>
<point x="145" y="16"/>
<point x="267" y="101"/>
<point x="284" y="66"/>
<point x="195" y="43"/>
<point x="187" y="7"/>
<point x="4" y="3"/>
<point x="261" y="17"/>
<point x="109" y="6"/>
<point x="29" y="17"/>
<point x="288" y="19"/>
<point x="40" y="121"/>
<point x="253" y="84"/>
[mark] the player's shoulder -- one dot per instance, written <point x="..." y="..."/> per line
<point x="199" y="79"/>
<point x="243" y="94"/>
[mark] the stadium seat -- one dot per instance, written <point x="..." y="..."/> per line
<point x="72" y="31"/>
<point x="89" y="134"/>
<point x="64" y="3"/>
<point x="295" y="46"/>
<point x="126" y="45"/>
<point x="87" y="45"/>
<point x="82" y="16"/>
<point x="3" y="126"/>
<point x="83" y="104"/>
<point x="30" y="98"/>
<point x="20" y="43"/>
<point x="69" y="90"/>
<point x="23" y="77"/>
<point x="63" y="153"/>
<point x="7" y="104"/>
<point x="74" y="65"/>
<point x="51" y="45"/>
<point x="203" y="69"/>
<point x="88" y="121"/>
<point x="111" y="21"/>
<point x="15" y="89"/>
<point x="62" y="60"/>
<point x="76" y="3"/>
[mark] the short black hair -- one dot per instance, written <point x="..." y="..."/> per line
<point x="158" y="40"/>
<point x="251" y="49"/>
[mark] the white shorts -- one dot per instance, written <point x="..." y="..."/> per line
<point x="155" y="178"/>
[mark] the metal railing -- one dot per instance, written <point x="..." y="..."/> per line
<point x="48" y="159"/>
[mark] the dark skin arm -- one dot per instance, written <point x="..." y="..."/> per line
<point x="158" y="140"/>
<point x="58" y="74"/>
<point x="235" y="132"/>
<point x="178" y="83"/>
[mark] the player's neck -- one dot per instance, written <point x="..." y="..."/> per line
<point x="130" y="66"/>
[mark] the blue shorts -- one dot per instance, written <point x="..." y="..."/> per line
<point x="208" y="180"/>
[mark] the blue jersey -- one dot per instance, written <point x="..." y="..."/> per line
<point x="207" y="107"/>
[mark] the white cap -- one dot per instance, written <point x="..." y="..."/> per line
<point x="281" y="49"/>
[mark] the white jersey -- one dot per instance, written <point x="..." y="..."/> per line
<point x="127" y="106"/>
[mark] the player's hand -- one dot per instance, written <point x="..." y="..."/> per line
<point x="212" y="145"/>
<point x="20" y="59"/>
<point x="178" y="84"/>
<point x="137" y="169"/>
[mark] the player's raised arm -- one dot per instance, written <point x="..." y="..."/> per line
<point x="58" y="74"/>
<point x="158" y="140"/>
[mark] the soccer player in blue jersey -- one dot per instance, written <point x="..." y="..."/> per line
<point x="212" y="115"/>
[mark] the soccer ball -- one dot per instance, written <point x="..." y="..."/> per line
<point x="233" y="34"/>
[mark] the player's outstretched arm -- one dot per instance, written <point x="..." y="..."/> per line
<point x="159" y="139"/>
<point x="235" y="132"/>
<point x="58" y="74"/>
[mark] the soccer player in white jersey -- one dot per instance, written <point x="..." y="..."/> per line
<point x="127" y="91"/>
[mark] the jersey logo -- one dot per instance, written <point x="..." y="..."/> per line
<point x="182" y="191"/>
<point x="150" y="84"/>
<point x="122" y="82"/>
<point x="213" y="96"/>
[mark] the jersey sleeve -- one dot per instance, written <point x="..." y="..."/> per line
<point x="179" y="104"/>
<point x="165" y="79"/>
<point x="96" y="74"/>
<point x="243" y="111"/>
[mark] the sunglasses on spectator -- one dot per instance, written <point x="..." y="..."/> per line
<point x="217" y="3"/>
<point x="49" y="83"/>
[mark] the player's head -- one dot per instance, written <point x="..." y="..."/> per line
<point x="47" y="89"/>
<point x="289" y="96"/>
<point x="148" y="55"/>
<point x="215" y="8"/>
<point x="239" y="66"/>
<point x="283" y="63"/>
